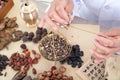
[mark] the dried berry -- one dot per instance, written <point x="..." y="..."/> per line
<point x="44" y="30"/>
<point x="23" y="46"/>
<point x="35" y="40"/>
<point x="29" y="38"/>
<point x="34" y="52"/>
<point x="34" y="71"/>
<point x="62" y="69"/>
<point x="27" y="52"/>
<point x="53" y="68"/>
<point x="24" y="39"/>
<point x="38" y="31"/>
<point x="37" y="56"/>
<point x="3" y="63"/>
<point x="31" y="34"/>
<point x="40" y="76"/>
<point x="49" y="73"/>
<point x="35" y="61"/>
<point x="55" y="72"/>
<point x="25" y="34"/>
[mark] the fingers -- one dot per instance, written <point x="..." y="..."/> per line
<point x="50" y="22"/>
<point x="108" y="42"/>
<point x="101" y="47"/>
<point x="99" y="55"/>
<point x="103" y="52"/>
<point x="57" y="18"/>
<point x="46" y="19"/>
<point x="98" y="60"/>
<point x="62" y="13"/>
<point x="104" y="41"/>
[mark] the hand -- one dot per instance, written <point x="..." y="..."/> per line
<point x="59" y="11"/>
<point x="106" y="46"/>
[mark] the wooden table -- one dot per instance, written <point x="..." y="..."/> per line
<point x="82" y="38"/>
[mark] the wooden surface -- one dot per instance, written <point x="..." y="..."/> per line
<point x="6" y="9"/>
<point x="82" y="38"/>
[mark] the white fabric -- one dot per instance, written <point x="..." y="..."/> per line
<point x="104" y="12"/>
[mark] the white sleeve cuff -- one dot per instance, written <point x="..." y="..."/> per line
<point x="77" y="5"/>
<point x="118" y="53"/>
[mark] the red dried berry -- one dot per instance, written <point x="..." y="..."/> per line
<point x="53" y="68"/>
<point x="35" y="61"/>
<point x="37" y="56"/>
<point x="62" y="69"/>
<point x="34" y="71"/>
<point x="27" y="52"/>
<point x="23" y="46"/>
<point x="34" y="52"/>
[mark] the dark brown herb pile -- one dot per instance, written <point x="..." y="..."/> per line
<point x="54" y="47"/>
<point x="54" y="74"/>
<point x="3" y="63"/>
<point x="8" y="32"/>
<point x="74" y="59"/>
<point x="17" y="60"/>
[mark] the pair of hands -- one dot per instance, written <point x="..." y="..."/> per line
<point x="60" y="11"/>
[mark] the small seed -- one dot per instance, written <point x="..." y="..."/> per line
<point x="37" y="56"/>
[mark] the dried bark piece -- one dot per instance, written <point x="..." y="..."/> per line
<point x="19" y="76"/>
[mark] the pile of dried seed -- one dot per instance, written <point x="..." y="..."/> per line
<point x="3" y="63"/>
<point x="54" y="74"/>
<point x="54" y="47"/>
<point x="17" y="60"/>
<point x="7" y="28"/>
<point x="40" y="33"/>
<point x="74" y="59"/>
